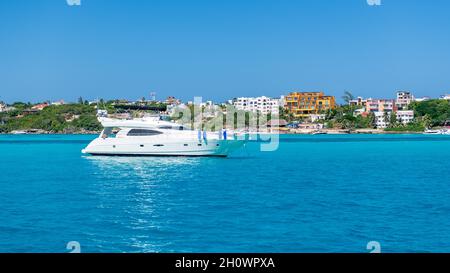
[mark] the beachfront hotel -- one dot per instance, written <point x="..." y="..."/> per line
<point x="304" y="104"/>
<point x="402" y="116"/>
<point x="382" y="109"/>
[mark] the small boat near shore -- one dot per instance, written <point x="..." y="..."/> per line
<point x="29" y="132"/>
<point x="19" y="132"/>
<point x="437" y="132"/>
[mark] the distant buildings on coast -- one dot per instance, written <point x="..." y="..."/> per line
<point x="308" y="106"/>
<point x="383" y="109"/>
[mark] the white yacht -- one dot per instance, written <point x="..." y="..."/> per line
<point x="153" y="136"/>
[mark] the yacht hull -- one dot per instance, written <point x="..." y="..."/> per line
<point x="142" y="147"/>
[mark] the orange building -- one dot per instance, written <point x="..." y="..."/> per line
<point x="303" y="104"/>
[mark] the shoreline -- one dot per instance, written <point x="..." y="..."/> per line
<point x="293" y="132"/>
<point x="348" y="132"/>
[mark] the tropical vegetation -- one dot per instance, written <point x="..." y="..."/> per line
<point x="67" y="118"/>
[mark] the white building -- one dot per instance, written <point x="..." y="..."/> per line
<point x="5" y="108"/>
<point x="445" y="97"/>
<point x="263" y="104"/>
<point x="382" y="119"/>
<point x="404" y="98"/>
<point x="405" y="116"/>
<point x="58" y="103"/>
<point x="422" y="99"/>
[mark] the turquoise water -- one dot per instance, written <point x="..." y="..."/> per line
<point x="314" y="194"/>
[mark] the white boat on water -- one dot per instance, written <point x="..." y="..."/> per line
<point x="19" y="132"/>
<point x="153" y="136"/>
<point x="319" y="133"/>
<point x="445" y="131"/>
<point x="432" y="132"/>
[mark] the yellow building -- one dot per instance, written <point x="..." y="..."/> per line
<point x="303" y="104"/>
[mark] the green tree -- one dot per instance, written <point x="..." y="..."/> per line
<point x="54" y="118"/>
<point x="438" y="111"/>
<point x="286" y="114"/>
<point x="393" y="119"/>
<point x="371" y="120"/>
<point x="427" y="121"/>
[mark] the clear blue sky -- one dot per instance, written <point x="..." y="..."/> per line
<point x="221" y="49"/>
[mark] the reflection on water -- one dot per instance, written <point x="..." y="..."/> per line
<point x="143" y="167"/>
<point x="144" y="186"/>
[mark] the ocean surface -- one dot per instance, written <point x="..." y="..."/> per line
<point x="320" y="193"/>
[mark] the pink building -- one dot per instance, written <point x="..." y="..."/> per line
<point x="404" y="98"/>
<point x="381" y="105"/>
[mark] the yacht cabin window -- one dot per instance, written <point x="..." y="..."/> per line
<point x="143" y="132"/>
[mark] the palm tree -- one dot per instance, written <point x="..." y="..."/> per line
<point x="393" y="120"/>
<point x="286" y="114"/>
<point x="371" y="120"/>
<point x="348" y="96"/>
